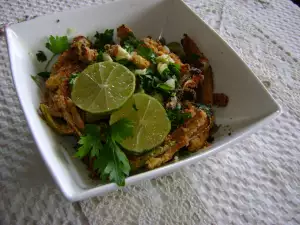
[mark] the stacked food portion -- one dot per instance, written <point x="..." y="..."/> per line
<point x="132" y="105"/>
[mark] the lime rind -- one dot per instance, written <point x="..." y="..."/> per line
<point x="151" y="124"/>
<point x="103" y="87"/>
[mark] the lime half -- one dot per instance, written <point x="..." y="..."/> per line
<point x="103" y="87"/>
<point x="151" y="123"/>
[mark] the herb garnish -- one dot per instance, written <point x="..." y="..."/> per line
<point x="177" y="117"/>
<point x="110" y="161"/>
<point x="103" y="38"/>
<point x="41" y="57"/>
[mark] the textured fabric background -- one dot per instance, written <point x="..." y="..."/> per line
<point x="254" y="182"/>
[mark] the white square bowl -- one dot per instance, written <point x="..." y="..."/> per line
<point x="250" y="104"/>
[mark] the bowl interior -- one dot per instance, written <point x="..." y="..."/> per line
<point x="249" y="105"/>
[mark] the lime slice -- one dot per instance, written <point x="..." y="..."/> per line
<point x="151" y="123"/>
<point x="103" y="87"/>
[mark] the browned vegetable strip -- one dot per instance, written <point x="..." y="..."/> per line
<point x="59" y="128"/>
<point x="220" y="99"/>
<point x="140" y="161"/>
<point x="181" y="136"/>
<point x="193" y="54"/>
<point x="200" y="140"/>
<point x="208" y="87"/>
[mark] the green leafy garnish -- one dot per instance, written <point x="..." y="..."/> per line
<point x="57" y="44"/>
<point x="149" y="82"/>
<point x="90" y="143"/>
<point x="206" y="109"/>
<point x="36" y="80"/>
<point x="44" y="74"/>
<point x="175" y="69"/>
<point x="100" y="56"/>
<point x="166" y="74"/>
<point x="146" y="53"/>
<point x="131" y="43"/>
<point x="112" y="162"/>
<point x="121" y="130"/>
<point x="128" y="47"/>
<point x="104" y="38"/>
<point x="109" y="159"/>
<point x="41" y="57"/>
<point x="73" y="78"/>
<point x="177" y="117"/>
<point x="195" y="56"/>
<point x="165" y="87"/>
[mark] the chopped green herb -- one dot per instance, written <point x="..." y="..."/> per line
<point x="73" y="78"/>
<point x="90" y="143"/>
<point x="165" y="87"/>
<point x="206" y="109"/>
<point x="146" y="53"/>
<point x="41" y="57"/>
<point x="128" y="47"/>
<point x="131" y="43"/>
<point x="103" y="38"/>
<point x="100" y="56"/>
<point x="36" y="80"/>
<point x="57" y="44"/>
<point x="177" y="117"/>
<point x="110" y="161"/>
<point x="166" y="74"/>
<point x="175" y="69"/>
<point x="44" y="74"/>
<point x="113" y="163"/>
<point x="121" y="130"/>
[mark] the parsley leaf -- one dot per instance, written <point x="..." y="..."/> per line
<point x="112" y="163"/>
<point x="122" y="130"/>
<point x="100" y="56"/>
<point x="57" y="44"/>
<point x="73" y="78"/>
<point x="41" y="57"/>
<point x="177" y="117"/>
<point x="116" y="165"/>
<point x="146" y="53"/>
<point x="103" y="38"/>
<point x="90" y="143"/>
<point x="149" y="82"/>
<point x="175" y="69"/>
<point x="44" y="74"/>
<point x="131" y="43"/>
<point x="36" y="80"/>
<point x="165" y="87"/>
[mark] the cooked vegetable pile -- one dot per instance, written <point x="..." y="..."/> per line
<point x="133" y="104"/>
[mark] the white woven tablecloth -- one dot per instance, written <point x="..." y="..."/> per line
<point x="254" y="182"/>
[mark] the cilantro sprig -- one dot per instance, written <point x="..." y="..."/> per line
<point x="41" y="57"/>
<point x="73" y="78"/>
<point x="110" y="161"/>
<point x="146" y="53"/>
<point x="177" y="117"/>
<point x="103" y="38"/>
<point x="90" y="143"/>
<point x="56" y="45"/>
